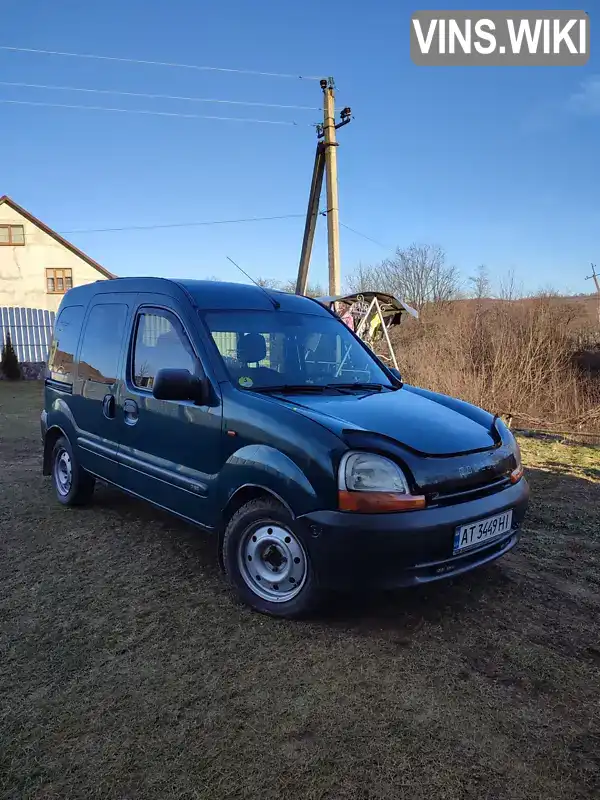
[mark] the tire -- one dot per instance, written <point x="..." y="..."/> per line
<point x="266" y="563"/>
<point x="73" y="486"/>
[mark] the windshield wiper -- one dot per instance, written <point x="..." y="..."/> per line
<point x="292" y="387"/>
<point x="375" y="387"/>
<point x="344" y="388"/>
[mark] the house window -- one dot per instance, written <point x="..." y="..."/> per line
<point x="11" y="235"/>
<point x="59" y="281"/>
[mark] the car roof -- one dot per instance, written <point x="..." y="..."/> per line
<point x="205" y="295"/>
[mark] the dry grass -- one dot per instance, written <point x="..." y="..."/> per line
<point x="126" y="670"/>
<point x="511" y="358"/>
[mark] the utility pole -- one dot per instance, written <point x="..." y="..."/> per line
<point x="333" y="209"/>
<point x="325" y="163"/>
<point x="596" y="278"/>
<point x="311" y="219"/>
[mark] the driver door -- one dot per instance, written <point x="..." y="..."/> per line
<point x="170" y="451"/>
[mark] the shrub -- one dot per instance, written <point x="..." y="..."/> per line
<point x="9" y="364"/>
<point x="514" y="358"/>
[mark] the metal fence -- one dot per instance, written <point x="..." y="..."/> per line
<point x="30" y="331"/>
<point x="155" y="326"/>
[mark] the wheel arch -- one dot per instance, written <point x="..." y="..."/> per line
<point x="51" y="437"/>
<point x="242" y="495"/>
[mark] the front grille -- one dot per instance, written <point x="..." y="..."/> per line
<point x="439" y="499"/>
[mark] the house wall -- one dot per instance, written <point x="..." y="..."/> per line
<point x="23" y="267"/>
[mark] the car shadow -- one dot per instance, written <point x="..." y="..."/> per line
<point x="145" y="520"/>
<point x="556" y="561"/>
<point x="401" y="613"/>
<point x="563" y="508"/>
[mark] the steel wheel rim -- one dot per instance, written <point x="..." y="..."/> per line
<point x="63" y="473"/>
<point x="272" y="562"/>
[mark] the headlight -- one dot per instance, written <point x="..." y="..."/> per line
<point x="517" y="473"/>
<point x="367" y="472"/>
<point x="371" y="483"/>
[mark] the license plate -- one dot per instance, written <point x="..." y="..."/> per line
<point x="476" y="533"/>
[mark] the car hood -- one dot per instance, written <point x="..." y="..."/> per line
<point x="425" y="422"/>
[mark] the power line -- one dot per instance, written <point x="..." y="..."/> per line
<point x="159" y="63"/>
<point x="157" y="96"/>
<point x="364" y="236"/>
<point x="174" y="225"/>
<point x="181" y="224"/>
<point x="212" y="222"/>
<point x="150" y="113"/>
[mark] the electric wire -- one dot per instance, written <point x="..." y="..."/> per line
<point x="159" y="63"/>
<point x="181" y="224"/>
<point x="152" y="113"/>
<point x="157" y="96"/>
<point x="364" y="236"/>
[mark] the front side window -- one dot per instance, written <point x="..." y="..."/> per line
<point x="160" y="343"/>
<point x="64" y="343"/>
<point x="102" y="342"/>
<point x="262" y="349"/>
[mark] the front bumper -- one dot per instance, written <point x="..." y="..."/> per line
<point x="387" y="551"/>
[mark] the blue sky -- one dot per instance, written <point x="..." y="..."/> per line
<point x="500" y="166"/>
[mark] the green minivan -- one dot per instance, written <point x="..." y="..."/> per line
<point x="264" y="420"/>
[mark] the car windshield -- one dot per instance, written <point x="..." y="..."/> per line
<point x="263" y="350"/>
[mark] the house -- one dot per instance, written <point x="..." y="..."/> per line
<point x="37" y="265"/>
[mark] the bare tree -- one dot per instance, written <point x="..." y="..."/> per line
<point x="268" y="283"/>
<point x="546" y="291"/>
<point x="418" y="274"/>
<point x="510" y="289"/>
<point x="365" y="278"/>
<point x="481" y="285"/>
<point x="312" y="290"/>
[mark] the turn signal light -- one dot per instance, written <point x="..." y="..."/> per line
<point x="379" y="502"/>
<point x="516" y="474"/>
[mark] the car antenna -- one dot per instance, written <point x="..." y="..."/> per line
<point x="275" y="303"/>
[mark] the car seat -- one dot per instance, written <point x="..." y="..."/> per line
<point x="251" y="349"/>
<point x="171" y="352"/>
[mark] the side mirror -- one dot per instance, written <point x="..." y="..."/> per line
<point x="180" y="384"/>
<point x="396" y="373"/>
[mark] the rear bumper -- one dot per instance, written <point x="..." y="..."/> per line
<point x="391" y="550"/>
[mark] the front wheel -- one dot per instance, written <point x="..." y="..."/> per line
<point x="266" y="562"/>
<point x="73" y="486"/>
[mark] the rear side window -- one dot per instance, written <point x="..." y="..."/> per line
<point x="64" y="343"/>
<point x="102" y="342"/>
<point x="160" y="343"/>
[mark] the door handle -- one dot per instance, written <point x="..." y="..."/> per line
<point x="108" y="406"/>
<point x="130" y="410"/>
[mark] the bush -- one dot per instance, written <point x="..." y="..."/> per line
<point x="9" y="364"/>
<point x="513" y="358"/>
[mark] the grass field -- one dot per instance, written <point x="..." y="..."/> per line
<point x="127" y="671"/>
